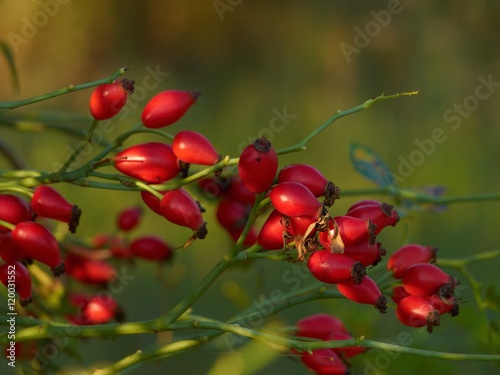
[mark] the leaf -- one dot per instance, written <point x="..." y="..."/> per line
<point x="7" y="53"/>
<point x="369" y="164"/>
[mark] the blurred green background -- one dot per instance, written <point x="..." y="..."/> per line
<point x="251" y="59"/>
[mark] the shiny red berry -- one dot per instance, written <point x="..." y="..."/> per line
<point x="152" y="201"/>
<point x="407" y="256"/>
<point x="178" y="207"/>
<point x="273" y="234"/>
<point x="39" y="244"/>
<point x="129" y="218"/>
<point x="366" y="292"/>
<point x="368" y="255"/>
<point x="16" y="274"/>
<point x="108" y="99"/>
<point x="151" y="162"/>
<point x="13" y="210"/>
<point x="193" y="148"/>
<point x="380" y="214"/>
<point x="417" y="311"/>
<point x="151" y="248"/>
<point x="294" y="199"/>
<point x="300" y="225"/>
<point x="334" y="268"/>
<point x="312" y="178"/>
<point x="354" y="231"/>
<point x="258" y="165"/>
<point x="167" y="107"/>
<point x="444" y="305"/>
<point x="49" y="203"/>
<point x="424" y="279"/>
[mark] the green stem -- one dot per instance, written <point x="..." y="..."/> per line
<point x="256" y="210"/>
<point x="79" y="149"/>
<point x="301" y="146"/>
<point x="6" y="224"/>
<point x="65" y="90"/>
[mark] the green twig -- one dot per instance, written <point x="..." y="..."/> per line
<point x="65" y="90"/>
<point x="301" y="146"/>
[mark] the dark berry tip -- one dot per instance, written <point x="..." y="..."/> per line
<point x="58" y="270"/>
<point x="195" y="95"/>
<point x="74" y="221"/>
<point x="262" y="144"/>
<point x="128" y="85"/>
<point x="202" y="232"/>
<point x="381" y="304"/>
<point x="358" y="272"/>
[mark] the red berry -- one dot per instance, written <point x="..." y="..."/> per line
<point x="192" y="147"/>
<point x="368" y="255"/>
<point x="417" y="311"/>
<point x="381" y="214"/>
<point x="9" y="251"/>
<point x="319" y="326"/>
<point x="365" y="202"/>
<point x="88" y="270"/>
<point x="48" y="203"/>
<point x="330" y="238"/>
<point x="258" y="165"/>
<point x="444" y="305"/>
<point x="152" y="201"/>
<point x="354" y="231"/>
<point x="16" y="274"/>
<point x="236" y="189"/>
<point x="39" y="244"/>
<point x="151" y="162"/>
<point x="13" y="210"/>
<point x="366" y="292"/>
<point x="167" y="107"/>
<point x="178" y="207"/>
<point x="294" y="199"/>
<point x="324" y="362"/>
<point x="151" y="248"/>
<point x="232" y="214"/>
<point x="407" y="256"/>
<point x="398" y="293"/>
<point x="312" y="178"/>
<point x="334" y="268"/>
<point x="100" y="309"/>
<point x="300" y="225"/>
<point x="108" y="99"/>
<point x="129" y="218"/>
<point x="249" y="240"/>
<point x="273" y="234"/>
<point x="424" y="279"/>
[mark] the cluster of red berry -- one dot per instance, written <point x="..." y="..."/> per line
<point x="337" y="249"/>
<point x="426" y="292"/>
<point x="24" y="240"/>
